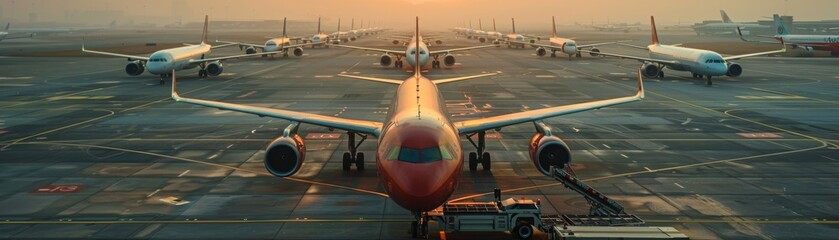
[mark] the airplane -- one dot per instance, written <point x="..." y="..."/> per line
<point x="697" y="61"/>
<point x="181" y="58"/>
<point x="494" y="35"/>
<point x="319" y="39"/>
<point x="424" y="53"/>
<point x="340" y="37"/>
<point x="615" y="27"/>
<point x="517" y="40"/>
<point x="728" y="27"/>
<point x="274" y="45"/>
<point x="353" y="33"/>
<point x="419" y="156"/>
<point x="807" y="43"/>
<point x="6" y="35"/>
<point x="564" y="45"/>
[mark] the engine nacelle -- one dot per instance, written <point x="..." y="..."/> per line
<point x="541" y="51"/>
<point x="532" y="41"/>
<point x="594" y="52"/>
<point x="214" y="68"/>
<point x="803" y="51"/>
<point x="438" y="42"/>
<point x="449" y="60"/>
<point x="353" y="38"/>
<point x="250" y="50"/>
<point x="650" y="70"/>
<point x="285" y="155"/>
<point x="298" y="51"/>
<point x="734" y="69"/>
<point x="135" y="68"/>
<point x="395" y="42"/>
<point x="547" y="151"/>
<point x="386" y="60"/>
<point x="482" y="40"/>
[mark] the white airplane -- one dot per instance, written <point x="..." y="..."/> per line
<point x="419" y="156"/>
<point x="319" y="39"/>
<point x="728" y="27"/>
<point x="563" y="45"/>
<point x="340" y="37"/>
<point x="697" y="61"/>
<point x="424" y="55"/>
<point x="274" y="45"/>
<point x="6" y="35"/>
<point x="181" y="58"/>
<point x="517" y="40"/>
<point x="807" y="43"/>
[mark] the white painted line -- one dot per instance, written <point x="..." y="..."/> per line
<point x="607" y="146"/>
<point x="323" y="76"/>
<point x="15" y="78"/>
<point x="214" y="156"/>
<point x="109" y="82"/>
<point x="545" y="76"/>
<point x="619" y="74"/>
<point x="687" y="121"/>
<point x="183" y="173"/>
<point x="575" y="129"/>
<point x="648" y="169"/>
<point x="153" y="193"/>
<point x="624" y="155"/>
<point x="14" y="85"/>
<point x="829" y="158"/>
<point x="679" y="185"/>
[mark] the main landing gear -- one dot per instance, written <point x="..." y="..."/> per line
<point x="553" y="54"/>
<point x="398" y="63"/>
<point x="353" y="156"/>
<point x="435" y="63"/>
<point x="699" y="76"/>
<point x="419" y="227"/>
<point x="480" y="156"/>
<point x="164" y="77"/>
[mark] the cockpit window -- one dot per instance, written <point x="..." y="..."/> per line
<point x="272" y="44"/>
<point x="714" y="61"/>
<point x="409" y="155"/>
<point x="422" y="52"/>
<point x="426" y="155"/>
<point x="431" y="154"/>
<point x="158" y="60"/>
<point x="413" y="52"/>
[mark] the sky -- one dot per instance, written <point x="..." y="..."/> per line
<point x="435" y="14"/>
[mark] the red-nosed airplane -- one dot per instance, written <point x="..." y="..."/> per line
<point x="419" y="156"/>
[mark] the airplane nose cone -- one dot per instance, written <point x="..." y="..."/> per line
<point x="421" y="187"/>
<point x="155" y="68"/>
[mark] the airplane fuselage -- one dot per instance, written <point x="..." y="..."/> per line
<point x="419" y="155"/>
<point x="697" y="61"/>
<point x="423" y="52"/>
<point x="568" y="46"/>
<point x="320" y="38"/>
<point x="726" y="28"/>
<point x="276" y="44"/>
<point x="164" y="61"/>
<point x="817" y="42"/>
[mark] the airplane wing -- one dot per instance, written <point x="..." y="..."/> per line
<point x="459" y="49"/>
<point x="388" y="51"/>
<point x="740" y="33"/>
<point x="195" y="61"/>
<point x="397" y="82"/>
<point x="115" y="54"/>
<point x="374" y="79"/>
<point x="455" y="79"/>
<point x="361" y="126"/>
<point x="599" y="44"/>
<point x="495" y="122"/>
<point x="642" y="59"/>
<point x="735" y="57"/>
<point x="633" y="46"/>
<point x="242" y="44"/>
<point x="19" y="36"/>
<point x="536" y="44"/>
<point x="213" y="47"/>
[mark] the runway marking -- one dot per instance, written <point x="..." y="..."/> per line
<point x="109" y="82"/>
<point x="79" y="98"/>
<point x="648" y="169"/>
<point x="299" y="180"/>
<point x="70" y="94"/>
<point x="624" y="155"/>
<point x="15" y="78"/>
<point x="324" y="76"/>
<point x="829" y="158"/>
<point x="545" y="76"/>
<point x="110" y="113"/>
<point x="686" y="121"/>
<point x="759" y="135"/>
<point x="607" y="146"/>
<point x="14" y="85"/>
<point x="618" y="74"/>
<point x="770" y="97"/>
<point x="792" y="95"/>
<point x="153" y="193"/>
<point x="246" y="94"/>
<point x="679" y="185"/>
<point x="183" y="173"/>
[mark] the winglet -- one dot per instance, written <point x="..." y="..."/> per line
<point x="553" y="20"/>
<point x="175" y="94"/>
<point x="204" y="33"/>
<point x="740" y="33"/>
<point x="417" y="67"/>
<point x="639" y="95"/>
<point x="725" y="17"/>
<point x="480" y="26"/>
<point x="653" y="31"/>
<point x="284" y="21"/>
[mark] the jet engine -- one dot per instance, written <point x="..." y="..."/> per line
<point x="298" y="51"/>
<point x="803" y="51"/>
<point x="449" y="60"/>
<point x="214" y="68"/>
<point x="395" y="42"/>
<point x="386" y="60"/>
<point x="541" y="51"/>
<point x="285" y="155"/>
<point x="438" y="42"/>
<point x="482" y="40"/>
<point x="594" y="52"/>
<point x="547" y="151"/>
<point x="650" y="70"/>
<point x="734" y="70"/>
<point x="250" y="50"/>
<point x="135" y="68"/>
<point x="352" y="38"/>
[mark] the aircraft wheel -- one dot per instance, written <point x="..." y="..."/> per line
<point x="660" y="74"/>
<point x="579" y="55"/>
<point x="709" y="82"/>
<point x="347" y="161"/>
<point x="486" y="162"/>
<point x="359" y="161"/>
<point x="473" y="161"/>
<point x="162" y="82"/>
<point x="202" y="73"/>
<point x="553" y="54"/>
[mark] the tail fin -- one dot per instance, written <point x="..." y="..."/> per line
<point x="7" y="26"/>
<point x="653" y="31"/>
<point x="284" y="22"/>
<point x="779" y="26"/>
<point x="339" y="24"/>
<point x="417" y="67"/>
<point x="319" y="32"/>
<point x="493" y="25"/>
<point x="470" y="24"/>
<point x="480" y="26"/>
<point x="204" y="33"/>
<point x="352" y="24"/>
<point x="553" y="19"/>
<point x="514" y="25"/>
<point x="725" y="17"/>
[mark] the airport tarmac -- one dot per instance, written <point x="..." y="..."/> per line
<point x="89" y="152"/>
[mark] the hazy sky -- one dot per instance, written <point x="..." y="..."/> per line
<point x="434" y="13"/>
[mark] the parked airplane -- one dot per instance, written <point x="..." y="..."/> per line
<point x="564" y="45"/>
<point x="728" y="26"/>
<point x="319" y="39"/>
<point x="6" y="35"/>
<point x="609" y="27"/>
<point x="517" y="40"/>
<point x="697" y="61"/>
<point x="340" y="37"/>
<point x="275" y="45"/>
<point x="807" y="43"/>
<point x="424" y="54"/>
<point x="419" y="156"/>
<point x="181" y="58"/>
